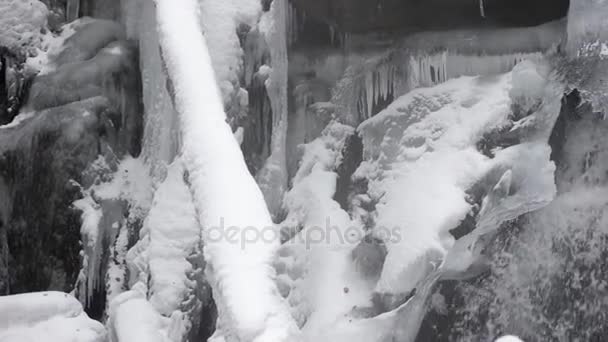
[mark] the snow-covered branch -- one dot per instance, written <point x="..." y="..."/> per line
<point x="249" y="305"/>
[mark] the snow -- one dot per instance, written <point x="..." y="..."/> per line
<point x="21" y="24"/>
<point x="132" y="318"/>
<point x="249" y="305"/>
<point x="421" y="157"/>
<point x="220" y="21"/>
<point x="169" y="236"/>
<point x="46" y="316"/>
<point x="431" y="153"/>
<point x="509" y="338"/>
<point x="324" y="245"/>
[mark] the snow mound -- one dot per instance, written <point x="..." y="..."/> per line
<point x="324" y="245"/>
<point x="47" y="316"/>
<point x="509" y="339"/>
<point x="22" y="23"/>
<point x="420" y="159"/>
<point x="169" y="236"/>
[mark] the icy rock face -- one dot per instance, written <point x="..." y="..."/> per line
<point x="94" y="63"/>
<point x="60" y="141"/>
<point x="370" y="84"/>
<point x="48" y="316"/>
<point x="84" y="104"/>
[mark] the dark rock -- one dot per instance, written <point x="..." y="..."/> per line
<point x="352" y="156"/>
<point x="113" y="73"/>
<point x="91" y="35"/>
<point x="57" y="15"/>
<point x="365" y="16"/>
<point x="39" y="158"/>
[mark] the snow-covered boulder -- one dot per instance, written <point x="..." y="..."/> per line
<point x="22" y="23"/>
<point x="47" y="316"/>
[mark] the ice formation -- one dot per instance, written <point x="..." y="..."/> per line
<point x="587" y="34"/>
<point x="394" y="171"/>
<point x="432" y="58"/>
<point x="161" y="136"/>
<point x="103" y="220"/>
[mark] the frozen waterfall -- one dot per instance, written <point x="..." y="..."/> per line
<point x="302" y="170"/>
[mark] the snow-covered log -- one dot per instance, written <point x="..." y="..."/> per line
<point x="250" y="308"/>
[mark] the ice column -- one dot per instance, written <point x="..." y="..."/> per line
<point x="588" y="28"/>
<point x="72" y="10"/>
<point x="272" y="178"/>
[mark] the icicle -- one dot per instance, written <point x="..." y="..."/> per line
<point x="72" y="10"/>
<point x="369" y="93"/>
<point x="273" y="177"/>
